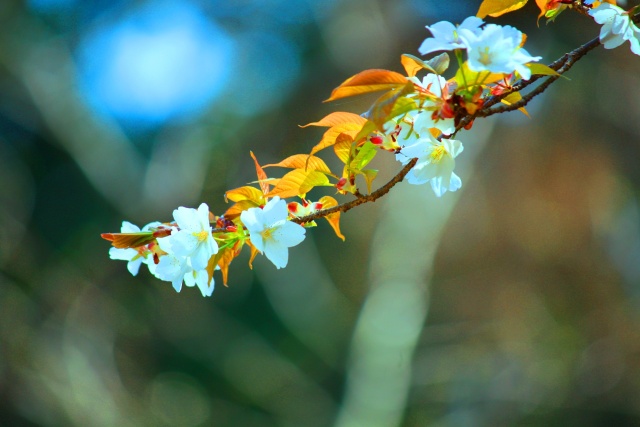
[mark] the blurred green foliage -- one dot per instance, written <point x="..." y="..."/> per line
<point x="515" y="305"/>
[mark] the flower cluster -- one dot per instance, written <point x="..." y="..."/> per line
<point x="493" y="48"/>
<point x="181" y="252"/>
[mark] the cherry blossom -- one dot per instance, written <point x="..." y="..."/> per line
<point x="270" y="232"/>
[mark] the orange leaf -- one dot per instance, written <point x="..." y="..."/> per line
<point x="366" y="82"/>
<point x="331" y="136"/>
<point x="303" y="161"/>
<point x="499" y="7"/>
<point x="413" y="64"/>
<point x="334" y="218"/>
<point x="297" y="182"/>
<point x="234" y="211"/>
<point x="262" y="177"/>
<point x="337" y="118"/>
<point x="342" y="147"/>
<point x="244" y="193"/>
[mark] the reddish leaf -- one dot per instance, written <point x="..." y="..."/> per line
<point x="129" y="240"/>
<point x="262" y="176"/>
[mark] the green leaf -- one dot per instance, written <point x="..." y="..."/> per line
<point x="369" y="176"/>
<point x="366" y="153"/>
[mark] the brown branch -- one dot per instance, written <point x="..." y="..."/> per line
<point x="372" y="197"/>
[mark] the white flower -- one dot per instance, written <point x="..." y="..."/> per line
<point x="617" y="27"/>
<point x="137" y="256"/>
<point x="178" y="270"/>
<point x="498" y="49"/>
<point x="201" y="279"/>
<point x="172" y="269"/>
<point x="424" y="120"/>
<point x="435" y="163"/>
<point x="447" y="36"/>
<point x="270" y="232"/>
<point x="193" y="240"/>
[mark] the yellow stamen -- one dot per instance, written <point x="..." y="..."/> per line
<point x="202" y="236"/>
<point x="437" y="153"/>
<point x="266" y="234"/>
<point x="485" y="57"/>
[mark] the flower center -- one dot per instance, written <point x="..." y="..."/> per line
<point x="266" y="233"/>
<point x="485" y="56"/>
<point x="437" y="153"/>
<point x="202" y="236"/>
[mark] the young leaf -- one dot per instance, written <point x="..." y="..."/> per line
<point x="245" y="193"/>
<point x="366" y="82"/>
<point x="512" y="98"/>
<point x="369" y="176"/>
<point x="299" y="181"/>
<point x="337" y="118"/>
<point x="262" y="177"/>
<point x="234" y="211"/>
<point x="499" y="7"/>
<point x="542" y="69"/>
<point x="413" y="64"/>
<point x="383" y="109"/>
<point x="334" y="218"/>
<point x="342" y="147"/>
<point x="331" y="136"/>
<point x="366" y="153"/>
<point x="303" y="161"/>
<point x="129" y="240"/>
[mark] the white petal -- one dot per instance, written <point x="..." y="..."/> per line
<point x="187" y="219"/>
<point x="122" y="254"/>
<point x="274" y="211"/>
<point x="128" y="227"/>
<point x="134" y="266"/>
<point x="277" y="253"/>
<point x="252" y="219"/>
<point x="289" y="234"/>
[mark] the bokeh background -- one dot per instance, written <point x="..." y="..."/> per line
<point x="514" y="301"/>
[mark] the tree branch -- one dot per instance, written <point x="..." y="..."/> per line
<point x="561" y="65"/>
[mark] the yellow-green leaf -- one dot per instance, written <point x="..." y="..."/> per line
<point x="334" y="218"/>
<point x="368" y="81"/>
<point x="542" y="69"/>
<point x="303" y="161"/>
<point x="366" y="153"/>
<point x="342" y="147"/>
<point x="369" y="176"/>
<point x="299" y="181"/>
<point x="499" y="7"/>
<point x="512" y="98"/>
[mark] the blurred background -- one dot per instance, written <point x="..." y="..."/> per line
<point x="514" y="301"/>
